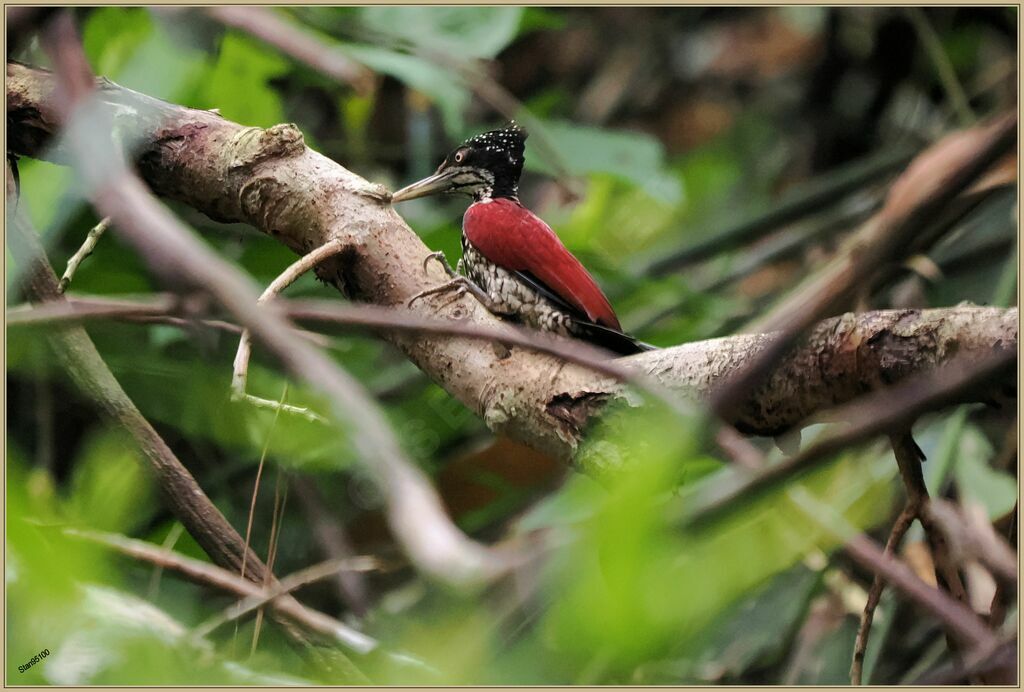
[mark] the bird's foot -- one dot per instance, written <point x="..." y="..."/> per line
<point x="459" y="285"/>
<point x="442" y="260"/>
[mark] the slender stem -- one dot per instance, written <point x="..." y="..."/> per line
<point x="947" y="75"/>
<point x="899" y="529"/>
<point x="206" y="573"/>
<point x="287" y="584"/>
<point x="283" y="281"/>
<point x="91" y="239"/>
<point x="296" y="41"/>
<point x="955" y="615"/>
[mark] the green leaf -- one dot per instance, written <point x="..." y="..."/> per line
<point x="632" y="156"/>
<point x="112" y="35"/>
<point x="463" y="32"/>
<point x="755" y="631"/>
<point x="110" y="490"/>
<point x="123" y="44"/>
<point x="239" y="83"/>
<point x="439" y="84"/>
<point x="633" y="588"/>
<point x="978" y="482"/>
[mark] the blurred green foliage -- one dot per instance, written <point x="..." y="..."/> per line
<point x="631" y="597"/>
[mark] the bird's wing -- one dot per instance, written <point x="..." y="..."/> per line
<point x="515" y="239"/>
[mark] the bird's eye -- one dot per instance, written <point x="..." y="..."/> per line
<point x="459" y="157"/>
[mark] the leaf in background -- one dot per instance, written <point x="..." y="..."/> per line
<point x="239" y="83"/>
<point x="993" y="489"/>
<point x="632" y="156"/>
<point x="439" y="84"/>
<point x="48" y="194"/>
<point x="110" y="490"/>
<point x="753" y="632"/>
<point x="634" y="588"/>
<point x="123" y="44"/>
<point x="112" y="35"/>
<point x="614" y="219"/>
<point x="462" y="32"/>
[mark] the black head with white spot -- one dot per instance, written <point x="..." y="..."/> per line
<point x="484" y="166"/>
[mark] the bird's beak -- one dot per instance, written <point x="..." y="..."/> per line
<point x="442" y="181"/>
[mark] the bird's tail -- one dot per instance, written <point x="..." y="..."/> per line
<point x="611" y="339"/>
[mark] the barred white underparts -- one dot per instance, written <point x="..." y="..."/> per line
<point x="510" y="297"/>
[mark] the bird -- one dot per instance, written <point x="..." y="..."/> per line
<point x="512" y="261"/>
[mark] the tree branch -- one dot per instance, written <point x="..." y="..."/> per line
<point x="269" y="179"/>
<point x="415" y="514"/>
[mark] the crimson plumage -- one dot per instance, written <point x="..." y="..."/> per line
<point x="516" y="239"/>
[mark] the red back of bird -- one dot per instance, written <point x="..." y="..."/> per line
<point x="514" y="238"/>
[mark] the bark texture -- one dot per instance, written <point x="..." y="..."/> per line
<point x="272" y="181"/>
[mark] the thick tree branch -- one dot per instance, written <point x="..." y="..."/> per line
<point x="269" y="179"/>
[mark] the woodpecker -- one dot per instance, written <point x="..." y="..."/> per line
<point x="512" y="261"/>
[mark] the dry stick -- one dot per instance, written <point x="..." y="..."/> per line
<point x="157" y="309"/>
<point x="184" y="497"/>
<point x="206" y="573"/>
<point x="870" y="415"/>
<point x="947" y="576"/>
<point x="275" y="536"/>
<point x="829" y="187"/>
<point x="883" y="238"/>
<point x="283" y="281"/>
<point x="291" y="39"/>
<point x="392" y="319"/>
<point x="330" y="534"/>
<point x="252" y="503"/>
<point x="91" y="239"/>
<point x="414" y="511"/>
<point x="957" y="617"/>
<point x="899" y="529"/>
<point x="285" y="585"/>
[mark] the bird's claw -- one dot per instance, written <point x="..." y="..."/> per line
<point x="442" y="260"/>
<point x="457" y="286"/>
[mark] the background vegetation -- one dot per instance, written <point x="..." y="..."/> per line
<point x="718" y="137"/>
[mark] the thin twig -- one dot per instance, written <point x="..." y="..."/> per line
<point x="957" y="617"/>
<point x="947" y="576"/>
<point x="287" y="584"/>
<point x="371" y="316"/>
<point x="298" y="42"/>
<point x="169" y="542"/>
<point x="827" y="188"/>
<point x="947" y="74"/>
<point x="997" y="614"/>
<point x="284" y="280"/>
<point x="79" y="357"/>
<point x="972" y="537"/>
<point x="252" y="504"/>
<point x="91" y="239"/>
<point x="206" y="573"/>
<point x="899" y="529"/>
<point x="280" y="500"/>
